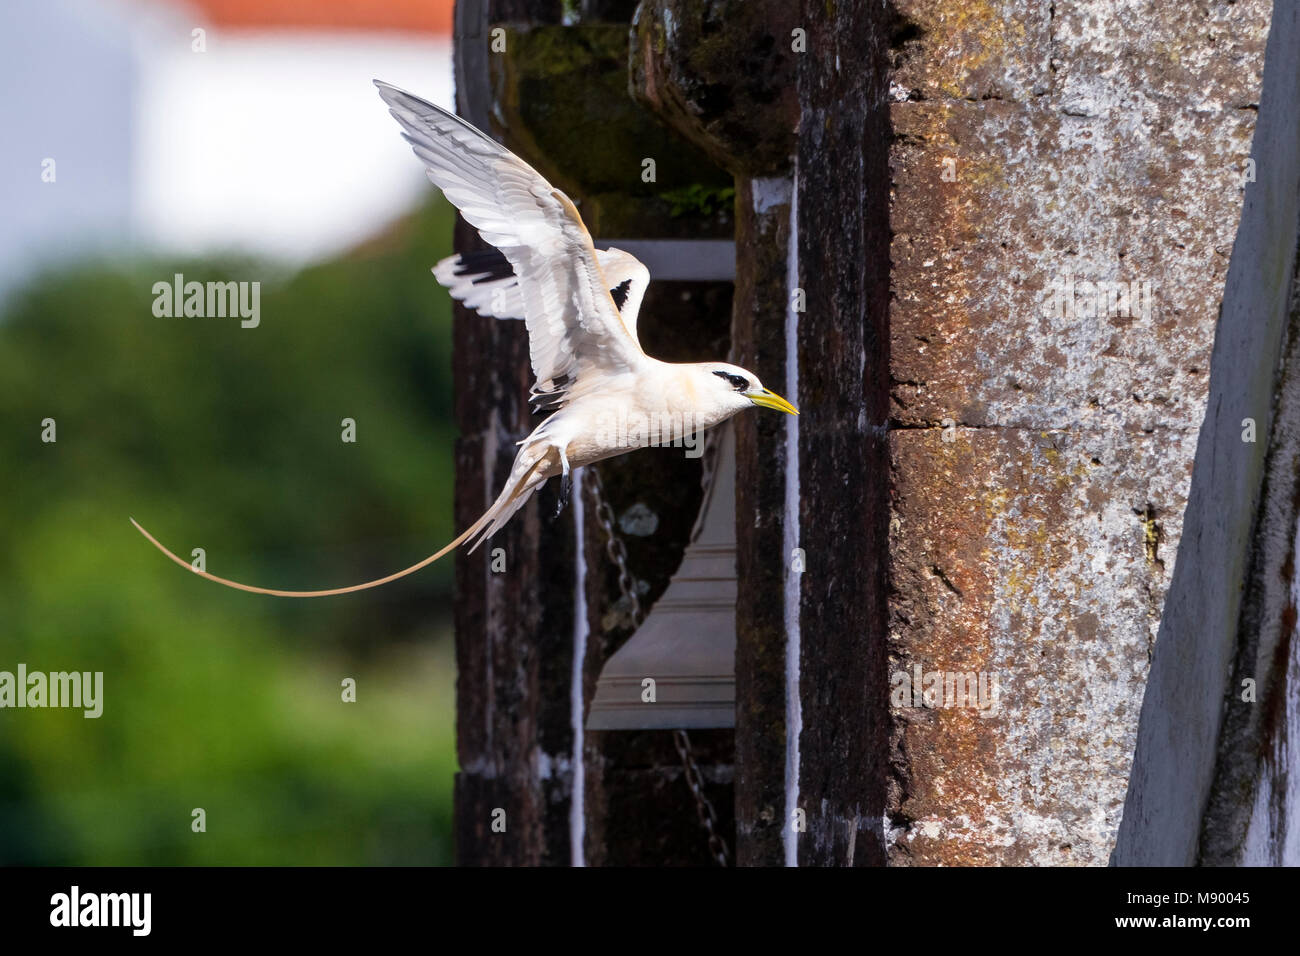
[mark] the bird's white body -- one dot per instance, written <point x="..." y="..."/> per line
<point x="580" y="305"/>
<point x="661" y="404"/>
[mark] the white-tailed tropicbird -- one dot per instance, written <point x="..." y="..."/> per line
<point x="580" y="306"/>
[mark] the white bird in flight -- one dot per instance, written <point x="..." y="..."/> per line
<point x="606" y="396"/>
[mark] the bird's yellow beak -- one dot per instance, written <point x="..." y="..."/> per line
<point x="769" y="399"/>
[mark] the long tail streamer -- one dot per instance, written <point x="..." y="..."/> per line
<point x="514" y="496"/>
<point x="304" y="594"/>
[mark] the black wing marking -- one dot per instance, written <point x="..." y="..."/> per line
<point x="491" y="265"/>
<point x="619" y="293"/>
<point x="491" y="262"/>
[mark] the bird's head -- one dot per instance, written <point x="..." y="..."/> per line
<point x="737" y="388"/>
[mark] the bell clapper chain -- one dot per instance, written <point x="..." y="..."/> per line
<point x="617" y="553"/>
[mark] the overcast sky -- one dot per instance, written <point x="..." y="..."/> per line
<point x="119" y="136"/>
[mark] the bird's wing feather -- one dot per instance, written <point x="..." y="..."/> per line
<point x="574" y="327"/>
<point x="485" y="282"/>
<point x="627" y="278"/>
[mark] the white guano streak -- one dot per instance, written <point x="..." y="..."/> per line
<point x="793" y="706"/>
<point x="577" y="804"/>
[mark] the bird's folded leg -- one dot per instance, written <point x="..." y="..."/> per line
<point x="566" y="486"/>
<point x="566" y="482"/>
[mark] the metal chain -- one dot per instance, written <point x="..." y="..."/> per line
<point x="614" y="547"/>
<point x="703" y="807"/>
<point x="627" y="589"/>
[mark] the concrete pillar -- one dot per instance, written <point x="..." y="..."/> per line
<point x="1041" y="449"/>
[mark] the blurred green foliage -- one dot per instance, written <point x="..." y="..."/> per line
<point x="699" y="199"/>
<point x="229" y="439"/>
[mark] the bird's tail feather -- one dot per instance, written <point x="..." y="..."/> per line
<point x="512" y="498"/>
<point x="508" y="502"/>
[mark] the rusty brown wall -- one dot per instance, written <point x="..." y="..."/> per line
<point x="1040" y="463"/>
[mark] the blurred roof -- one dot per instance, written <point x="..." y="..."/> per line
<point x="420" y="16"/>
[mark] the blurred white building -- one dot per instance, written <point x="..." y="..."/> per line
<point x="225" y="125"/>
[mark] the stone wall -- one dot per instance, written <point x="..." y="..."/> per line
<point x="1042" y="456"/>
<point x="936" y="205"/>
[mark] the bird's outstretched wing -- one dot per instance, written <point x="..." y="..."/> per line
<point x="485" y="282"/>
<point x="574" y="327"/>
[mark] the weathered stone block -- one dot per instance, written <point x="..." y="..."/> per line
<point x="1031" y="201"/>
<point x="1033" y="557"/>
<point x="976" y="51"/>
<point x="1047" y="158"/>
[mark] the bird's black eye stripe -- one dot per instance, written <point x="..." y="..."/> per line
<point x="738" y="382"/>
